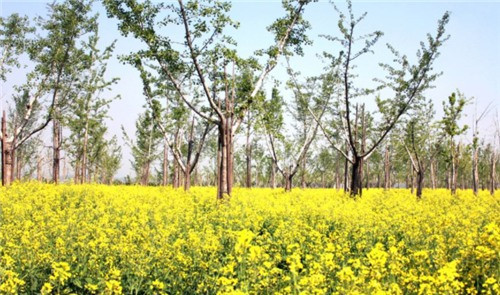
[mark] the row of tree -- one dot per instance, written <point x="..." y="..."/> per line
<point x="64" y="88"/>
<point x="213" y="117"/>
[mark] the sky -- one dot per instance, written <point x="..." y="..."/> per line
<point x="469" y="60"/>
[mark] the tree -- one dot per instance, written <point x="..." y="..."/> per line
<point x="406" y="83"/>
<point x="418" y="141"/>
<point x="293" y="154"/>
<point x="144" y="147"/>
<point x="58" y="58"/>
<point x="88" y="107"/>
<point x="453" y="110"/>
<point x="205" y="55"/>
<point x="475" y="147"/>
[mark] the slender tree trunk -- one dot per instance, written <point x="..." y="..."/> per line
<point x="411" y="180"/>
<point x="165" y="163"/>
<point x="222" y="185"/>
<point x="6" y="154"/>
<point x="378" y="179"/>
<point x="420" y="183"/>
<point x="346" y="169"/>
<point x="337" y="175"/>
<point x="56" y="150"/>
<point x="187" y="172"/>
<point x="475" y="171"/>
<point x="387" y="169"/>
<point x="273" y="174"/>
<point x="175" y="175"/>
<point x="248" y="154"/>
<point x="356" y="177"/>
<point x="288" y="181"/>
<point x="84" y="154"/>
<point x="453" y="181"/>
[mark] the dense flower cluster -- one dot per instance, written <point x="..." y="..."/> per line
<point x="97" y="239"/>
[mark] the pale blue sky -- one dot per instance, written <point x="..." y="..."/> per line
<point x="470" y="60"/>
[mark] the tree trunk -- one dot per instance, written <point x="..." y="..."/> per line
<point x="337" y="174"/>
<point x="387" y="169"/>
<point x="411" y="180"/>
<point x="175" y="175"/>
<point x="346" y="170"/>
<point x="356" y="177"/>
<point x="273" y="174"/>
<point x="84" y="153"/>
<point x="248" y="154"/>
<point x="222" y="165"/>
<point x="433" y="175"/>
<point x="420" y="183"/>
<point x="165" y="163"/>
<point x="475" y="171"/>
<point x="288" y="181"/>
<point x="56" y="132"/>
<point x="453" y="182"/>
<point x="6" y="154"/>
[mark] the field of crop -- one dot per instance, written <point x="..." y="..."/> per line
<point x="118" y="239"/>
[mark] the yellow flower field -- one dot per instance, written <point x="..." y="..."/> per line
<point x="95" y="239"/>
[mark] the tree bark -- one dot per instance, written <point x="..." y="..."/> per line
<point x="6" y="154"/>
<point x="453" y="182"/>
<point x="288" y="181"/>
<point x="56" y="132"/>
<point x="475" y="170"/>
<point x="165" y="163"/>
<point x="387" y="169"/>
<point x="420" y="183"/>
<point x="356" y="177"/>
<point x="273" y="174"/>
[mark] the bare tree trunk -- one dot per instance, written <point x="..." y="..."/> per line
<point x="337" y="175"/>
<point x="475" y="170"/>
<point x="273" y="174"/>
<point x="288" y="181"/>
<point x="420" y="183"/>
<point x="165" y="163"/>
<point x="6" y="154"/>
<point x="346" y="169"/>
<point x="56" y="150"/>
<point x="356" y="177"/>
<point x="411" y="180"/>
<point x="378" y="180"/>
<point x="84" y="154"/>
<point x="187" y="172"/>
<point x="248" y="154"/>
<point x="222" y="185"/>
<point x="175" y="175"/>
<point x="387" y="169"/>
<point x="453" y="181"/>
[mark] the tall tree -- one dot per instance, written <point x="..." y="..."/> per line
<point x="418" y="140"/>
<point x="204" y="55"/>
<point x="144" y="147"/>
<point x="453" y="110"/>
<point x="88" y="107"/>
<point x="59" y="56"/>
<point x="406" y="83"/>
